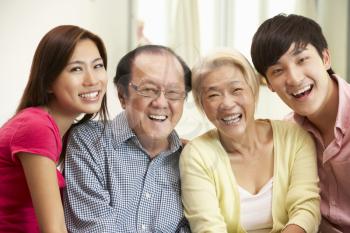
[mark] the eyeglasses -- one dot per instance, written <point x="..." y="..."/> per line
<point x="152" y="91"/>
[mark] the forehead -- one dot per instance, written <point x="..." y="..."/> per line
<point x="293" y="53"/>
<point x="295" y="50"/>
<point x="84" y="48"/>
<point x="222" y="76"/>
<point x="160" y="68"/>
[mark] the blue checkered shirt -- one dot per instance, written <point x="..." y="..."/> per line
<point x="114" y="186"/>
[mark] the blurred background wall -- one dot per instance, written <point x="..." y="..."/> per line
<point x="191" y="27"/>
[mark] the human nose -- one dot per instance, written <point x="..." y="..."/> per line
<point x="228" y="101"/>
<point x="90" y="78"/>
<point x="160" y="100"/>
<point x="294" y="77"/>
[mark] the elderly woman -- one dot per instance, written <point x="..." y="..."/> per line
<point x="246" y="175"/>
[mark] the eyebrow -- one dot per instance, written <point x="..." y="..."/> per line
<point x="298" y="50"/>
<point x="147" y="80"/>
<point x="216" y="88"/>
<point x="81" y="62"/>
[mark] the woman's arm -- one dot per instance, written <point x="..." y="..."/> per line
<point x="42" y="181"/>
<point x="303" y="200"/>
<point x="199" y="196"/>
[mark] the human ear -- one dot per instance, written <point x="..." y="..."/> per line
<point x="269" y="85"/>
<point x="326" y="58"/>
<point x="122" y="97"/>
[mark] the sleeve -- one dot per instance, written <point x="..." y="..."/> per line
<point x="199" y="197"/>
<point x="36" y="136"/>
<point x="86" y="198"/>
<point x="303" y="200"/>
<point x="184" y="227"/>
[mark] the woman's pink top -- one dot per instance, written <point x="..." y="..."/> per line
<point x="33" y="131"/>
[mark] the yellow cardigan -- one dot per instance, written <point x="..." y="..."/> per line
<point x="209" y="188"/>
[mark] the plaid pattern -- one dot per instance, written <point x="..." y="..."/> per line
<point x="113" y="186"/>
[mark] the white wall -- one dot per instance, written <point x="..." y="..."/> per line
<point x="333" y="19"/>
<point x="24" y="23"/>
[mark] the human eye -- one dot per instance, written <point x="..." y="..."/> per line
<point x="175" y="94"/>
<point x="148" y="90"/>
<point x="99" y="65"/>
<point x="75" y="69"/>
<point x="236" y="90"/>
<point x="302" y="60"/>
<point x="276" y="71"/>
<point x="212" y="94"/>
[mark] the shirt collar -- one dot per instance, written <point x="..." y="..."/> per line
<point x="343" y="120"/>
<point x="122" y="132"/>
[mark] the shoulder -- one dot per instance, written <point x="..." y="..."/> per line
<point x="86" y="143"/>
<point x="290" y="137"/>
<point x="287" y="129"/>
<point x="205" y="141"/>
<point x="206" y="148"/>
<point x="34" y="116"/>
<point x="91" y="128"/>
<point x="90" y="134"/>
<point x="291" y="140"/>
<point x="34" y="122"/>
<point x="35" y="131"/>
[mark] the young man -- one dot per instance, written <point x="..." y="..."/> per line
<point x="123" y="176"/>
<point x="291" y="52"/>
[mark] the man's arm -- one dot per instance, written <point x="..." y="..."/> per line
<point x="184" y="226"/>
<point x="86" y="198"/>
<point x="292" y="228"/>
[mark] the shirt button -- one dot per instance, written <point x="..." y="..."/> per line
<point x="143" y="227"/>
<point x="148" y="195"/>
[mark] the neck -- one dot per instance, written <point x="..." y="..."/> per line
<point x="247" y="143"/>
<point x="153" y="146"/>
<point x="325" y="118"/>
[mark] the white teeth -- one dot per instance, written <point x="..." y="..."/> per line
<point x="232" y="119"/>
<point x="158" y="117"/>
<point x="89" y="95"/>
<point x="302" y="90"/>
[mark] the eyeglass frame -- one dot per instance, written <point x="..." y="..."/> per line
<point x="159" y="91"/>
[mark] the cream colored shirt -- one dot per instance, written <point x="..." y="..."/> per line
<point x="210" y="191"/>
<point x="256" y="209"/>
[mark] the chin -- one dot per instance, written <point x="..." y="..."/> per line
<point x="304" y="111"/>
<point x="92" y="110"/>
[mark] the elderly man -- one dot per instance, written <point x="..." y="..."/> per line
<point x="123" y="176"/>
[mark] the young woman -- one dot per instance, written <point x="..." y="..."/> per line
<point x="67" y="78"/>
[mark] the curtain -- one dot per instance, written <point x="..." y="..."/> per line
<point x="184" y="32"/>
